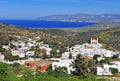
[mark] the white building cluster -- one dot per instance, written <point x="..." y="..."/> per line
<point x="23" y="48"/>
<point x="90" y="49"/>
<point x="87" y="49"/>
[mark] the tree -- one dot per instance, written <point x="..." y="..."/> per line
<point x="70" y="56"/>
<point x="61" y="72"/>
<point x="1" y="49"/>
<point x="115" y="56"/>
<point x="16" y="64"/>
<point x="92" y="67"/>
<point x="82" y="67"/>
<point x="12" y="46"/>
<point x="114" y="70"/>
<point x="95" y="57"/>
<point x="54" y="52"/>
<point x="106" y="60"/>
<point x="44" y="54"/>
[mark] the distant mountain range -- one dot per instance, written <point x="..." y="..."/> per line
<point x="83" y="18"/>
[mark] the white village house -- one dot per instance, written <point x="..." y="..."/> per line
<point x="105" y="69"/>
<point x="63" y="62"/>
<point x="15" y="52"/>
<point x="2" y="57"/>
<point x="30" y="53"/>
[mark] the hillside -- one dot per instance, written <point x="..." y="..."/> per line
<point x="110" y="38"/>
<point x="7" y="30"/>
<point x="61" y="38"/>
<point x="102" y="26"/>
<point x="108" y="34"/>
<point x="81" y="17"/>
<point x="96" y="27"/>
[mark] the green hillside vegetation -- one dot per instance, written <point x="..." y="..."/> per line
<point x="12" y="30"/>
<point x="7" y="30"/>
<point x="59" y="38"/>
<point x="110" y="38"/>
<point x="17" y="72"/>
<point x="102" y="26"/>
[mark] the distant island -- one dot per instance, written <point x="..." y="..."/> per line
<point x="81" y="17"/>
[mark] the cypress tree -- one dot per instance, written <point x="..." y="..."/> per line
<point x="81" y="67"/>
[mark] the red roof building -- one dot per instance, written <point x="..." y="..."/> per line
<point x="39" y="65"/>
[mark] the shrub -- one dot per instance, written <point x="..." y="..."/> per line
<point x="114" y="70"/>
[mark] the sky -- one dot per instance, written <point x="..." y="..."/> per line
<point x="32" y="9"/>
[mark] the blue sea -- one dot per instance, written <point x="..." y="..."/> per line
<point x="45" y="24"/>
